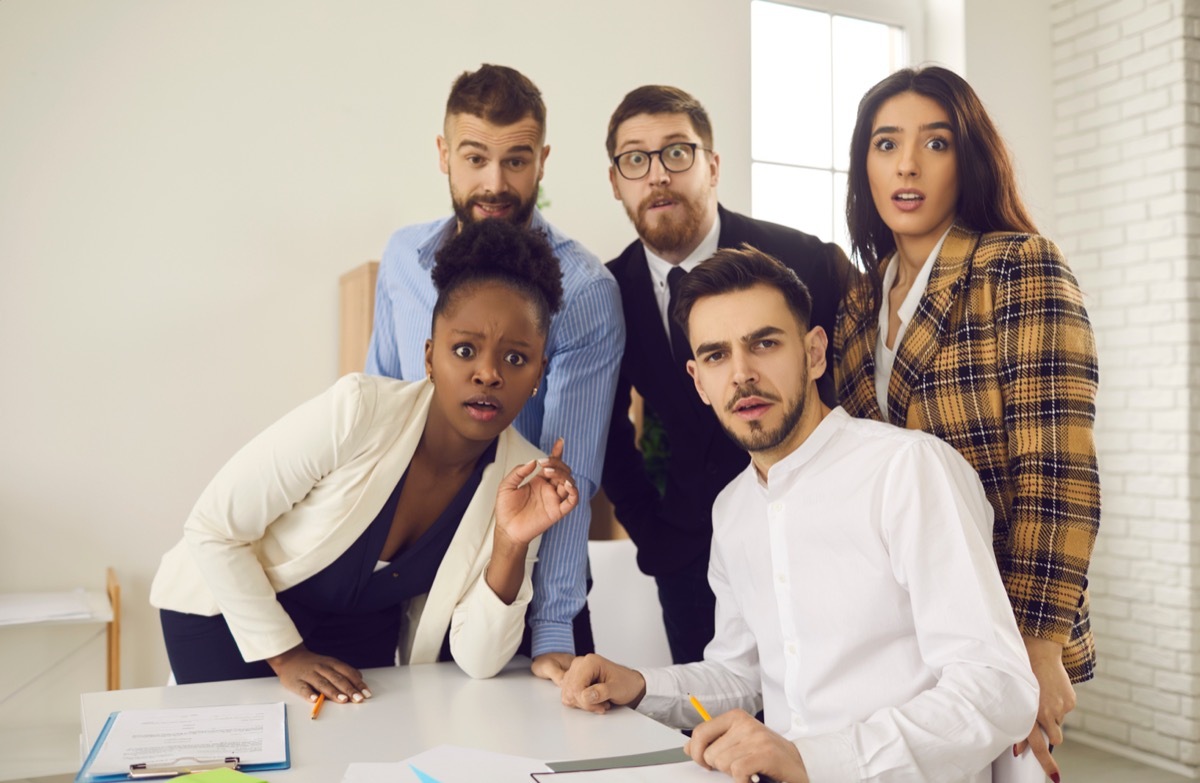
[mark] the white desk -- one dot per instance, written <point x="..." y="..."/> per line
<point x="413" y="708"/>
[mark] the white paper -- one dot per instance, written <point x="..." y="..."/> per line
<point x="25" y="608"/>
<point x="448" y="764"/>
<point x="682" y="772"/>
<point x="255" y="733"/>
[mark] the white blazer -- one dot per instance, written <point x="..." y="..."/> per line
<point x="296" y="497"/>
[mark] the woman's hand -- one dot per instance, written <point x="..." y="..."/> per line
<point x="308" y="674"/>
<point x="1056" y="698"/>
<point x="525" y="512"/>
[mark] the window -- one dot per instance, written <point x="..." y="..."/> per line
<point x="808" y="70"/>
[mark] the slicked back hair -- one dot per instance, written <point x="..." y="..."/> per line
<point x="738" y="269"/>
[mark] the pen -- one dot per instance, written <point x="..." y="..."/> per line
<point x="317" y="707"/>
<point x="755" y="778"/>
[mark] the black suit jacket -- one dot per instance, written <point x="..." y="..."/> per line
<point x="673" y="531"/>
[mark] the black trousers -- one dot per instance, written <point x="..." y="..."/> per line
<point x="688" y="608"/>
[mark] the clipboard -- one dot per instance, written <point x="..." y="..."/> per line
<point x="184" y="765"/>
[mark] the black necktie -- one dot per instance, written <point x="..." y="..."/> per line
<point x="680" y="348"/>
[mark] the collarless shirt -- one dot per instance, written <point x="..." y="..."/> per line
<point x="660" y="268"/>
<point x="885" y="358"/>
<point x="584" y="347"/>
<point x="859" y="603"/>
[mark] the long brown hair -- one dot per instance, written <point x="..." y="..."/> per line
<point x="987" y="190"/>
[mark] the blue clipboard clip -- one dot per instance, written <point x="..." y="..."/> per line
<point x="181" y="766"/>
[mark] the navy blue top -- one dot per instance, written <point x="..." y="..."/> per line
<point x="351" y="606"/>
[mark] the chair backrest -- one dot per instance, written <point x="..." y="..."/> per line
<point x="626" y="617"/>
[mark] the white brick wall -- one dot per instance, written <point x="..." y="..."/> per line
<point x="1127" y="166"/>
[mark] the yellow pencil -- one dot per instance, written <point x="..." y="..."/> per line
<point x="317" y="707"/>
<point x="755" y="778"/>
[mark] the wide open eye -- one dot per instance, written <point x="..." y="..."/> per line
<point x="464" y="350"/>
<point x="516" y="359"/>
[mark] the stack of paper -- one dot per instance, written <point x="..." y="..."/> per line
<point x="26" y="608"/>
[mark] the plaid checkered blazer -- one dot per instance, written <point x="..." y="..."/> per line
<point x="1000" y="363"/>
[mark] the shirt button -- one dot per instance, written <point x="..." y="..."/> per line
<point x="776" y="507"/>
<point x="781" y="578"/>
<point x="791" y="648"/>
<point x="395" y="575"/>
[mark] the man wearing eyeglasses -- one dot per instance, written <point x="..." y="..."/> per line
<point x="665" y="171"/>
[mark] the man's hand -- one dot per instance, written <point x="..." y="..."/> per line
<point x="596" y="684"/>
<point x="308" y="674"/>
<point x="552" y="666"/>
<point x="737" y="744"/>
<point x="1056" y="698"/>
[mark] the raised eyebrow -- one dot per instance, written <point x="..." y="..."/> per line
<point x="634" y="145"/>
<point x="759" y="334"/>
<point x="704" y="348"/>
<point x="927" y="127"/>
<point x="477" y="145"/>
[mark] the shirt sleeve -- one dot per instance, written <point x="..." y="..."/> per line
<point x="579" y="386"/>
<point x="936" y="529"/>
<point x="267" y="477"/>
<point x="383" y="353"/>
<point x="728" y="678"/>
<point x="1048" y="378"/>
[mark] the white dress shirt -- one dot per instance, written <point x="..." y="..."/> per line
<point x="660" y="268"/>
<point x="885" y="357"/>
<point x="858" y="597"/>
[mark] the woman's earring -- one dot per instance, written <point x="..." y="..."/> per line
<point x="430" y="379"/>
<point x="534" y="392"/>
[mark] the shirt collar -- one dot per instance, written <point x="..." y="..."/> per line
<point x="660" y="267"/>
<point x="830" y="426"/>
<point x="427" y="250"/>
<point x="908" y="307"/>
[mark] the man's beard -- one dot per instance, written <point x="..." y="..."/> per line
<point x="760" y="439"/>
<point x="465" y="210"/>
<point x="669" y="235"/>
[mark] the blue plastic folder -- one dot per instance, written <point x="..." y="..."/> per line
<point x="188" y="763"/>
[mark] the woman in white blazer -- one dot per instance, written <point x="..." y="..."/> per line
<point x="384" y="515"/>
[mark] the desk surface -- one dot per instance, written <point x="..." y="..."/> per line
<point x="413" y="709"/>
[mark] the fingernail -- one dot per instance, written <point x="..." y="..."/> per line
<point x="312" y="697"/>
<point x="570" y="483"/>
<point x="543" y="460"/>
<point x="341" y="697"/>
<point x="1015" y="754"/>
<point x="366" y="693"/>
<point x="1056" y="777"/>
<point x="356" y="697"/>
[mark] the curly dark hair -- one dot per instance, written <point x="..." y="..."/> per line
<point x="496" y="250"/>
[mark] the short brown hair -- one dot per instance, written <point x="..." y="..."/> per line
<point x="738" y="269"/>
<point x="498" y="94"/>
<point x="659" y="99"/>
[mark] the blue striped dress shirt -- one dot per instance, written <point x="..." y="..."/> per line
<point x="584" y="347"/>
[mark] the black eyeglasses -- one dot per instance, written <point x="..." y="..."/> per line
<point x="675" y="158"/>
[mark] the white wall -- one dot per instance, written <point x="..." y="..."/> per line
<point x="181" y="185"/>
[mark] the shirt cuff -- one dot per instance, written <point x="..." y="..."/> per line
<point x="549" y="637"/>
<point x="828" y="758"/>
<point x="662" y="696"/>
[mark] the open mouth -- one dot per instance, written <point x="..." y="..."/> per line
<point x="908" y="199"/>
<point x="751" y="407"/>
<point x="482" y="408"/>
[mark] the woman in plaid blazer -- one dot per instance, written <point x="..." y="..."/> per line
<point x="970" y="326"/>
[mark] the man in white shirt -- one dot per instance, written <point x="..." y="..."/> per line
<point x="858" y="600"/>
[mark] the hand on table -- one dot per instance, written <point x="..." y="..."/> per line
<point x="552" y="666"/>
<point x="309" y="674"/>
<point x="737" y="744"/>
<point x="1056" y="698"/>
<point x="596" y="684"/>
